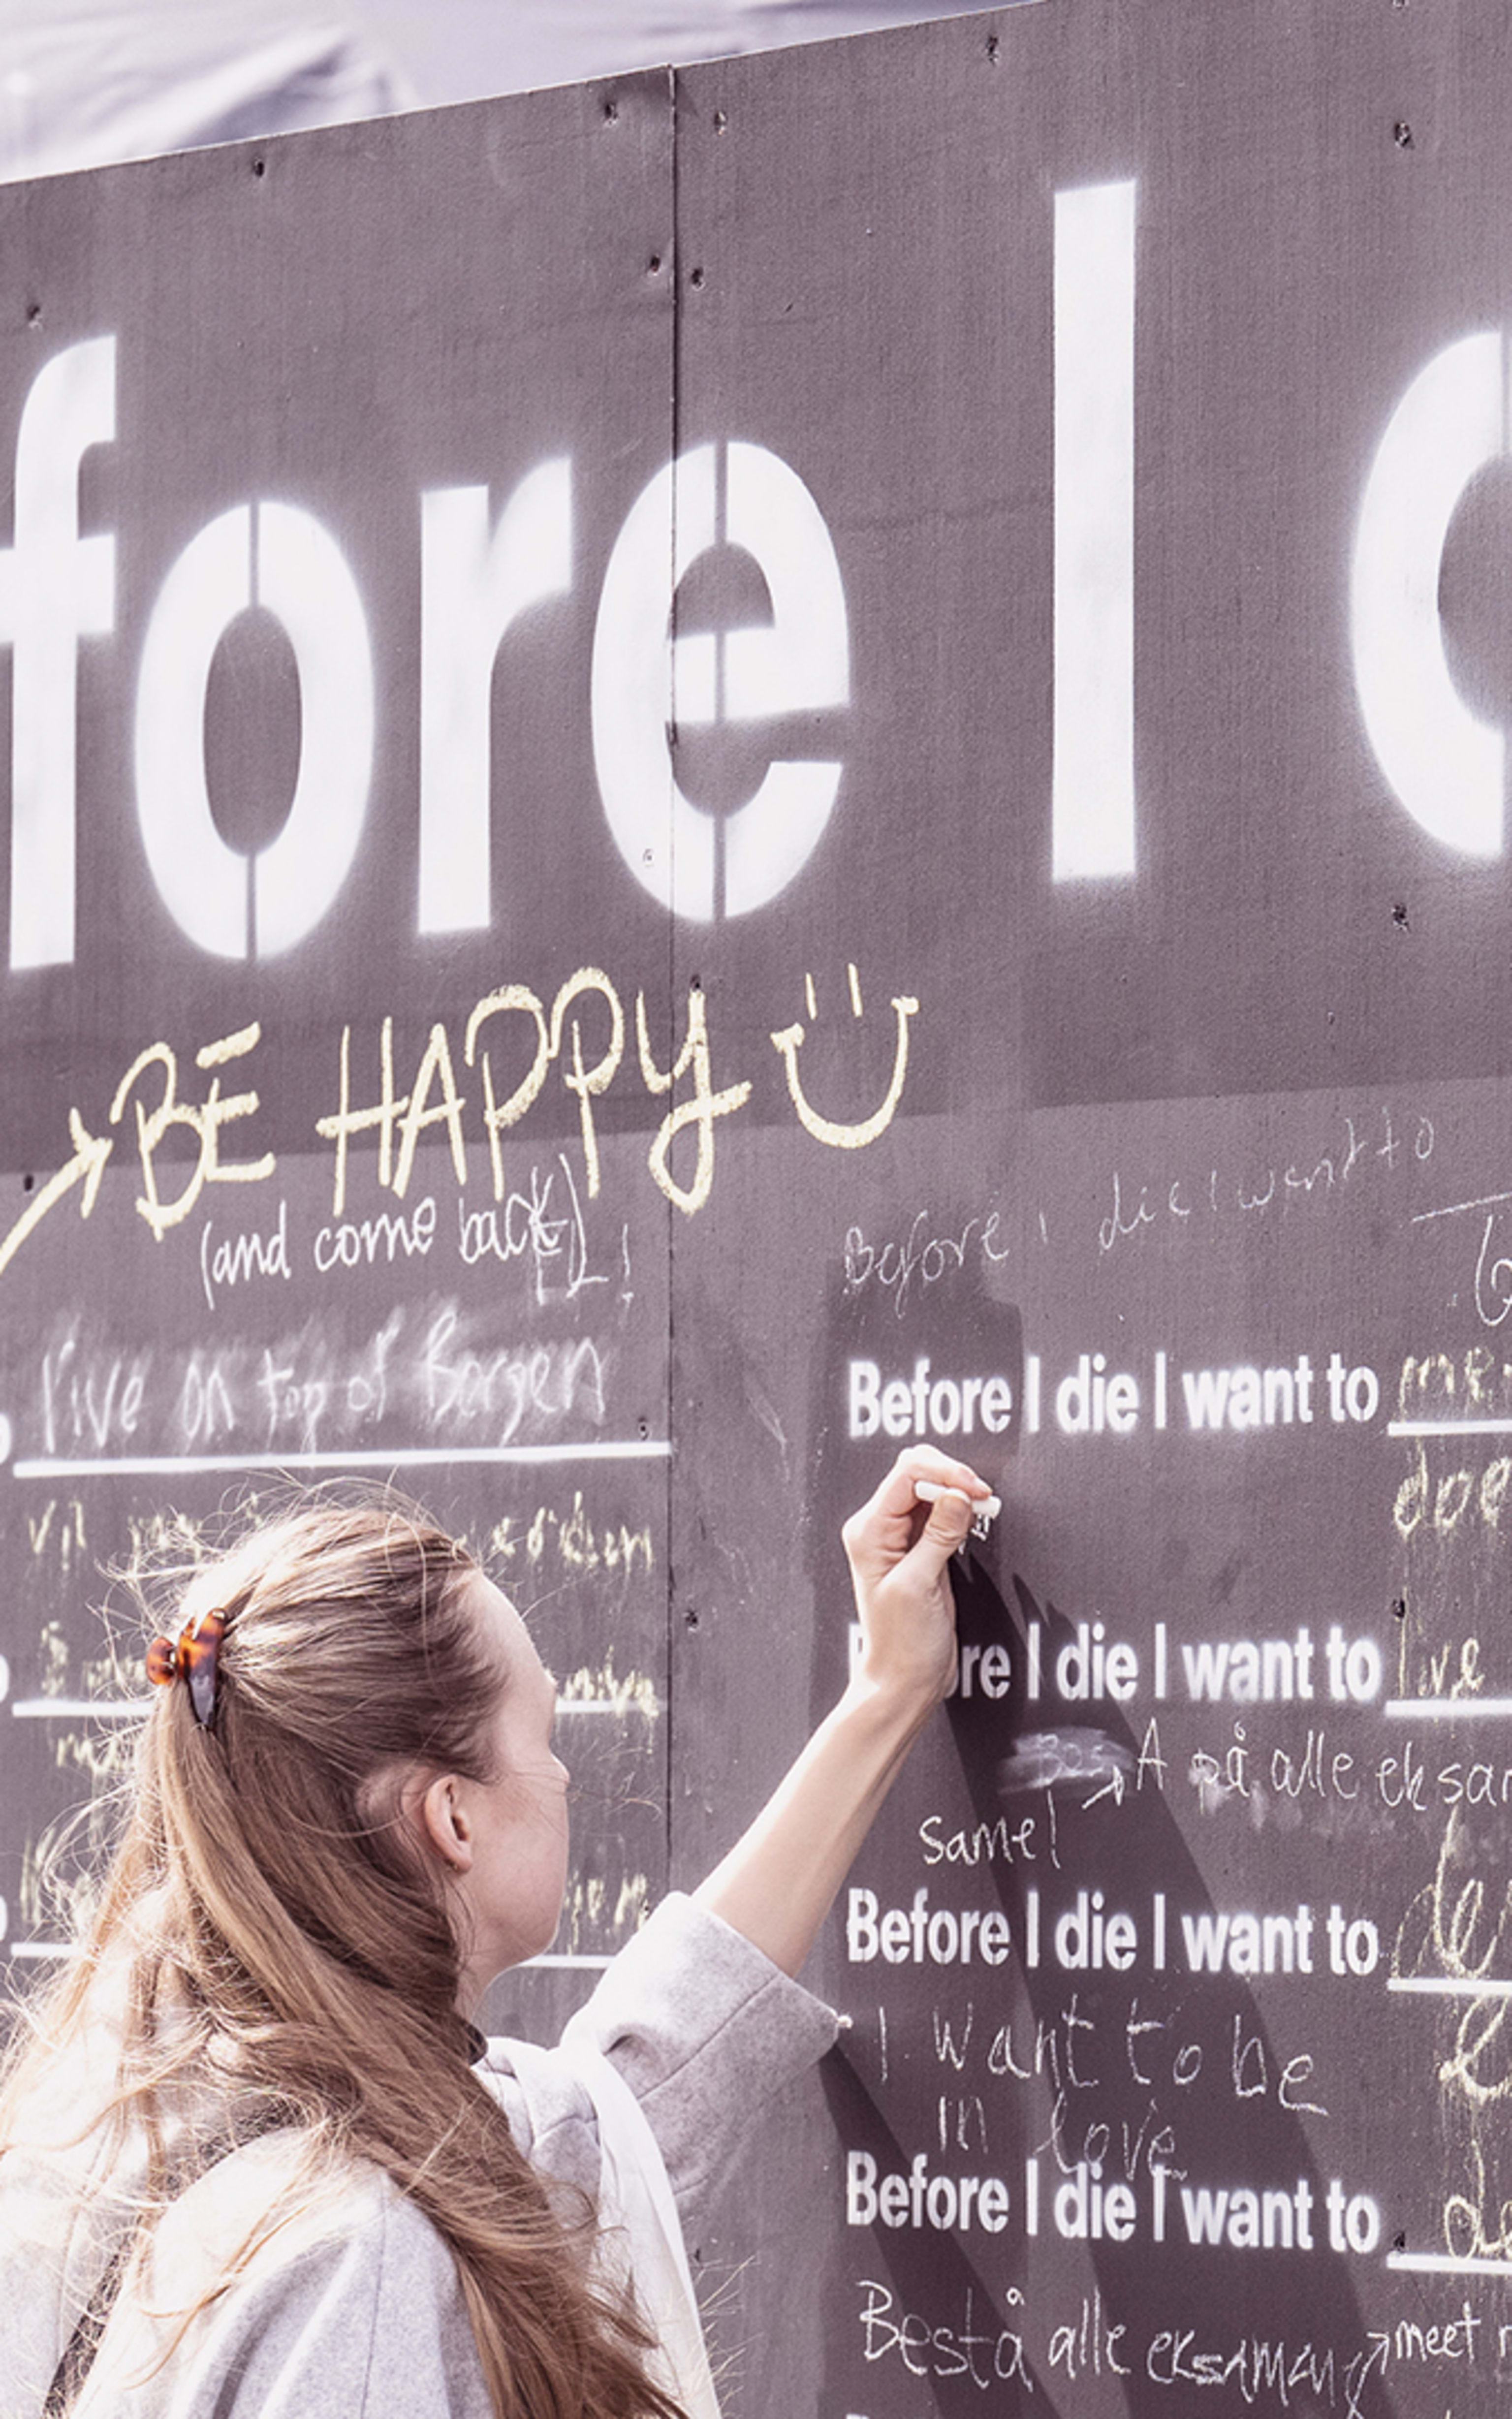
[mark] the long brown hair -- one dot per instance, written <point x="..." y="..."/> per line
<point x="272" y="1927"/>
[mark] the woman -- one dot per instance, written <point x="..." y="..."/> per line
<point x="253" y="2156"/>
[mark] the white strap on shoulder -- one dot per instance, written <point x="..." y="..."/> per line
<point x="635" y="2195"/>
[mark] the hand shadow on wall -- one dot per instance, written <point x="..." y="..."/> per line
<point x="1134" y="2068"/>
<point x="1235" y="2111"/>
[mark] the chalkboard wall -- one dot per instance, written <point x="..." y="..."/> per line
<point x="707" y="772"/>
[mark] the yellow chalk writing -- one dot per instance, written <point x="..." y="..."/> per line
<point x="204" y="1120"/>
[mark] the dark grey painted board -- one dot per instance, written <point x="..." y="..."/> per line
<point x="339" y="328"/>
<point x="1205" y="1112"/>
<point x="1063" y="867"/>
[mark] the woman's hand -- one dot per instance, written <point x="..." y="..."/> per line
<point x="899" y="1552"/>
<point x="777" y="1884"/>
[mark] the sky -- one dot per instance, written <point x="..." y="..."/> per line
<point x="458" y="50"/>
<point x="82" y="81"/>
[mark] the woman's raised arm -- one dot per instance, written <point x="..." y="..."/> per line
<point x="777" y="1882"/>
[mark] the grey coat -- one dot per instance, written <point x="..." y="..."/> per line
<point x="353" y="2309"/>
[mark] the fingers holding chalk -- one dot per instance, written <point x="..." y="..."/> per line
<point x="926" y="1495"/>
<point x="984" y="1507"/>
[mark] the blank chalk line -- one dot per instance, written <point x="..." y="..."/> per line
<point x="64" y="1948"/>
<point x="1457" y="1208"/>
<point x="74" y="1709"/>
<point x="124" y="1709"/>
<point x="1444" y="2263"/>
<point x="425" y="1456"/>
<point x="1450" y="1986"/>
<point x="1447" y="1709"/>
<point x="1448" y="1427"/>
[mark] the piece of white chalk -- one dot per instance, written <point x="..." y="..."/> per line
<point x="983" y="1507"/>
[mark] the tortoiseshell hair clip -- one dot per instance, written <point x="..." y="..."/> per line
<point x="197" y="1658"/>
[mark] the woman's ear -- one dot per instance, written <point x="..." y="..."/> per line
<point x="444" y="1818"/>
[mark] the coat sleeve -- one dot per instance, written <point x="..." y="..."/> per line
<point x="704" y="2029"/>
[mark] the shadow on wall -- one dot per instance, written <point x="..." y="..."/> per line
<point x="1139" y="2077"/>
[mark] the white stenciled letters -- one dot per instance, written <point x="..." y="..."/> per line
<point x="925" y="1405"/>
<point x="55" y="588"/>
<point x="1444" y="762"/>
<point x="474" y="583"/>
<point x="646" y="683"/>
<point x="283" y="560"/>
<point x="1092" y="810"/>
